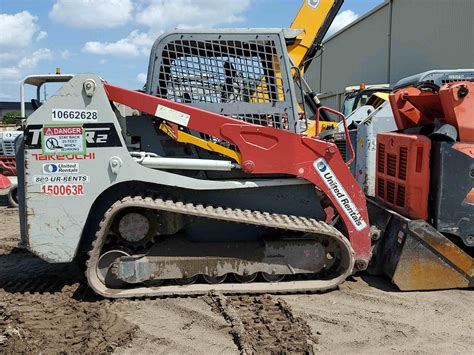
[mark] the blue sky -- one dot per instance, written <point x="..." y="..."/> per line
<point x="113" y="37"/>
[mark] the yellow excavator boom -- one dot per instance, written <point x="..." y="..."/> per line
<point x="314" y="18"/>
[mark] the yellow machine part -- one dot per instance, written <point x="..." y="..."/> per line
<point x="323" y="126"/>
<point x="377" y="99"/>
<point x="184" y="137"/>
<point x="310" y="19"/>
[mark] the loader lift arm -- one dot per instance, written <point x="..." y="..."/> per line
<point x="270" y="150"/>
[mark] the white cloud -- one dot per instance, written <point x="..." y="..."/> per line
<point x="91" y="13"/>
<point x="163" y="15"/>
<point x="135" y="44"/>
<point x="141" y="78"/>
<point x="32" y="60"/>
<point x="103" y="61"/>
<point x="17" y="30"/>
<point x="23" y="64"/>
<point x="18" y="56"/>
<point x="9" y="73"/>
<point x="342" y="20"/>
<point x="41" y="35"/>
<point x="65" y="54"/>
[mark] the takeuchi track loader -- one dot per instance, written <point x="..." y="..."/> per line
<point x="204" y="180"/>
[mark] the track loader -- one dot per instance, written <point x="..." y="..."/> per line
<point x="204" y="180"/>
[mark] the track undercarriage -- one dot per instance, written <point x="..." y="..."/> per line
<point x="141" y="249"/>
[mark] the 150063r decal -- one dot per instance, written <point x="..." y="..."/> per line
<point x="97" y="135"/>
<point x="63" y="189"/>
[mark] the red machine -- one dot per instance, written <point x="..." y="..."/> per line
<point x="8" y="182"/>
<point x="426" y="172"/>
<point x="420" y="105"/>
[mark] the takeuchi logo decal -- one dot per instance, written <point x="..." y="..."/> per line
<point x="338" y="191"/>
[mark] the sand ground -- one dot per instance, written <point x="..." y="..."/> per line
<point x="50" y="309"/>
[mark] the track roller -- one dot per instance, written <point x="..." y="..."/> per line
<point x="272" y="278"/>
<point x="105" y="270"/>
<point x="213" y="280"/>
<point x="187" y="280"/>
<point x="246" y="278"/>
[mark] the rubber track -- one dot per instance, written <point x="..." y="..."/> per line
<point x="256" y="218"/>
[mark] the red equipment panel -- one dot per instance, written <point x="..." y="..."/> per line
<point x="403" y="173"/>
<point x="454" y="103"/>
<point x="458" y="104"/>
<point x="414" y="107"/>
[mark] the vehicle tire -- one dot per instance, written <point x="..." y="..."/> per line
<point x="13" y="196"/>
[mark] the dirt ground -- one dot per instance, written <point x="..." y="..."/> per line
<point x="49" y="309"/>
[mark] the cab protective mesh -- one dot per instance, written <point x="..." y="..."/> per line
<point x="225" y="73"/>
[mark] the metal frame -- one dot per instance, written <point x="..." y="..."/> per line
<point x="230" y="44"/>
<point x="38" y="81"/>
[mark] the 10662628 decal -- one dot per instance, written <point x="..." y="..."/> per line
<point x="63" y="189"/>
<point x="71" y="115"/>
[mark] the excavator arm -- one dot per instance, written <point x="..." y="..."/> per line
<point x="314" y="18"/>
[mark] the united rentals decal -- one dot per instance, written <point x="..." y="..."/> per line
<point x="338" y="191"/>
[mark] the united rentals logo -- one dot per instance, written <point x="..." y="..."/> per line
<point x="339" y="193"/>
<point x="61" y="168"/>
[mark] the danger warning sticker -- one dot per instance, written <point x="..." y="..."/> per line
<point x="58" y="140"/>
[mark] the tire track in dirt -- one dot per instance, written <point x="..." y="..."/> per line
<point x="60" y="322"/>
<point x="264" y="324"/>
<point x="48" y="308"/>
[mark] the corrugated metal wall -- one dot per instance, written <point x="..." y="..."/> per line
<point x="431" y="34"/>
<point x="394" y="41"/>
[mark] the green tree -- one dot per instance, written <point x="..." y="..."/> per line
<point x="12" y="117"/>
